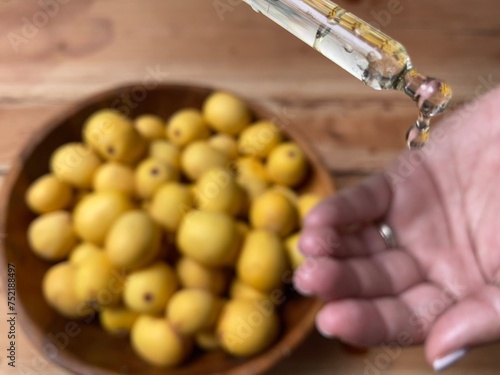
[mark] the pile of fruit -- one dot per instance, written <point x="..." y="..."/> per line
<point x="176" y="232"/>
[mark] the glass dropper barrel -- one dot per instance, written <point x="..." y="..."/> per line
<point x="368" y="54"/>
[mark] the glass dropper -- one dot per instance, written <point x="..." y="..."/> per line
<point x="368" y="54"/>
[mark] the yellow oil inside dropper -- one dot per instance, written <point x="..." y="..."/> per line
<point x="368" y="54"/>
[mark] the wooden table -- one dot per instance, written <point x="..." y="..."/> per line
<point x="86" y="46"/>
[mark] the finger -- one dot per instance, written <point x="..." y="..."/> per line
<point x="326" y="241"/>
<point x="363" y="322"/>
<point x="472" y="322"/>
<point x="364" y="203"/>
<point x="385" y="274"/>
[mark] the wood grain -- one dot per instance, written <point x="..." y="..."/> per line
<point x="91" y="45"/>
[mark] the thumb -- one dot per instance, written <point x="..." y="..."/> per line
<point x="472" y="322"/>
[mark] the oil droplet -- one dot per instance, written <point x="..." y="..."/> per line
<point x="432" y="97"/>
<point x="322" y="32"/>
<point x="335" y="16"/>
<point x="320" y="35"/>
<point x="348" y="48"/>
<point x="418" y="134"/>
<point x="333" y="21"/>
<point x="416" y="138"/>
<point x="372" y="56"/>
<point x="423" y="121"/>
<point x="357" y="29"/>
<point x="361" y="62"/>
<point x="365" y="76"/>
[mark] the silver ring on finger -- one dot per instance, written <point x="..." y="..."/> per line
<point x="387" y="235"/>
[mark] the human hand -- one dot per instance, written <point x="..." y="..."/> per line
<point x="441" y="284"/>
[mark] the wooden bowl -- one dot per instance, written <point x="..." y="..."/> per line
<point x="82" y="346"/>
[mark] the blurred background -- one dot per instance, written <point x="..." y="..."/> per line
<point x="52" y="56"/>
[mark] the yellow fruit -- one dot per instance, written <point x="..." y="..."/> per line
<point x="245" y="330"/>
<point x="240" y="290"/>
<point x="259" y="139"/>
<point x="210" y="238"/>
<point x="192" y="274"/>
<point x="252" y="176"/>
<point x="169" y="205"/>
<point x="150" y="127"/>
<point x="287" y="165"/>
<point x="273" y="211"/>
<point x="75" y="164"/>
<point x="199" y="157"/>
<point x="289" y="193"/>
<point x="51" y="236"/>
<point x="155" y="341"/>
<point x="186" y="126"/>
<point x="262" y="263"/>
<point x="97" y="212"/>
<point x="82" y="252"/>
<point x="226" y="113"/>
<point x="133" y="240"/>
<point x="217" y="191"/>
<point x="225" y="144"/>
<point x="113" y="176"/>
<point x="114" y="137"/>
<point x="193" y="310"/>
<point x="231" y="219"/>
<point x="117" y="321"/>
<point x="151" y="174"/>
<point x="295" y="257"/>
<point x="97" y="282"/>
<point x="148" y="290"/>
<point x="306" y="203"/>
<point x="207" y="340"/>
<point x="58" y="287"/>
<point x="166" y="152"/>
<point x="48" y="193"/>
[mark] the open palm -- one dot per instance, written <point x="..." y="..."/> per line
<point x="441" y="284"/>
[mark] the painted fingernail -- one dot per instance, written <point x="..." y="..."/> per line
<point x="449" y="360"/>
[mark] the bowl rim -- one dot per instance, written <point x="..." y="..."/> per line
<point x="258" y="364"/>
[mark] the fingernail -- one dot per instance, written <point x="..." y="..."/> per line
<point x="444" y="362"/>
<point x="322" y="332"/>
<point x="302" y="277"/>
<point x="304" y="292"/>
<point x="326" y="335"/>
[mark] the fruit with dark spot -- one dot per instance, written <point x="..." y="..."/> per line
<point x="114" y="136"/>
<point x="187" y="126"/>
<point x="151" y="174"/>
<point x="148" y="290"/>
<point x="287" y="165"/>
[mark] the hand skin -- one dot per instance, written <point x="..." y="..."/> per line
<point x="441" y="286"/>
